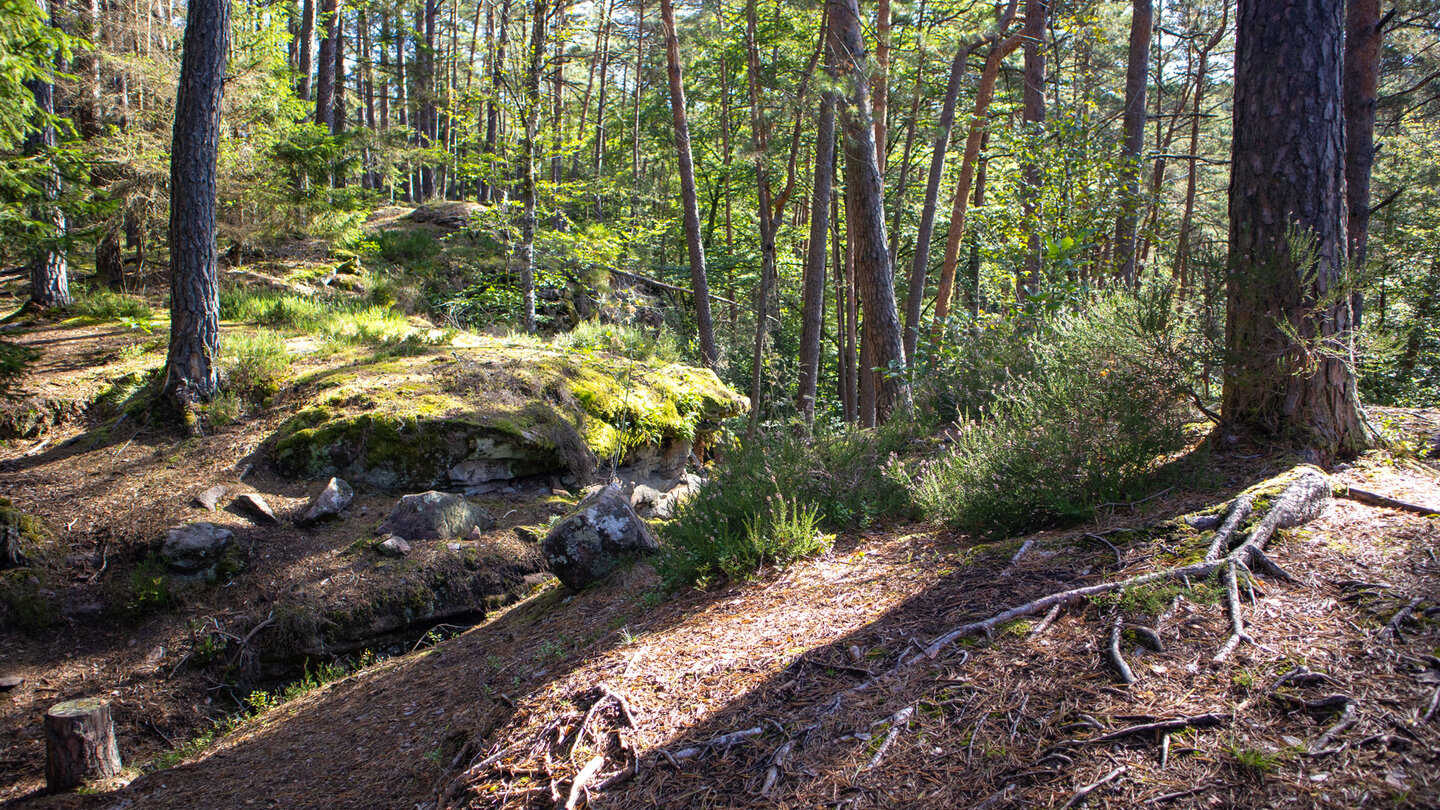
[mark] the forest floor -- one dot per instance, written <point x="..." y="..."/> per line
<point x="479" y="719"/>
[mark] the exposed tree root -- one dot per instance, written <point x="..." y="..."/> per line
<point x="1392" y="627"/>
<point x="1163" y="727"/>
<point x="1376" y="499"/>
<point x="1117" y="660"/>
<point x="1083" y="793"/>
<point x="1240" y="510"/>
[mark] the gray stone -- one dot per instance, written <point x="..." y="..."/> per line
<point x="645" y="495"/>
<point x="335" y="496"/>
<point x="193" y="549"/>
<point x="587" y="545"/>
<point x="393" y="546"/>
<point x="210" y="498"/>
<point x="435" y="516"/>
<point x="473" y="472"/>
<point x="255" y="506"/>
<point x="9" y="682"/>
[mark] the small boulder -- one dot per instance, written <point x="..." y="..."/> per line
<point x="588" y="544"/>
<point x="255" y="506"/>
<point x="9" y="682"/>
<point x="210" y="498"/>
<point x="645" y="495"/>
<point x="193" y="549"/>
<point x="392" y="546"/>
<point x="436" y="516"/>
<point x="335" y="496"/>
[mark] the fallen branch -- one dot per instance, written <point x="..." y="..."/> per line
<point x="1165" y="726"/>
<point x="1346" y="721"/>
<point x="1376" y="499"/>
<point x="586" y="774"/>
<point x="723" y="741"/>
<point x="777" y="767"/>
<point x="1084" y="792"/>
<point x="1047" y="621"/>
<point x="898" y="721"/>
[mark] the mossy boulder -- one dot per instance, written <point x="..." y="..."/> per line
<point x="19" y="533"/>
<point x="32" y="417"/>
<point x="499" y="410"/>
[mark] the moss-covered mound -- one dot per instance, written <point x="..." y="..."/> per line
<point x="498" y="410"/>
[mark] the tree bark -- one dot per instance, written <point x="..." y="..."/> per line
<point x="1136" y="79"/>
<point x="529" y="113"/>
<point x="191" y="369"/>
<point x="1288" y="332"/>
<point x="760" y="142"/>
<point x="812" y="306"/>
<point x="492" y="187"/>
<point x="1036" y="14"/>
<point x="426" y="122"/>
<point x="79" y="744"/>
<point x="1183" y="247"/>
<point x="864" y="188"/>
<point x="880" y="82"/>
<point x="307" y="49"/>
<point x="1361" y="86"/>
<point x="325" y="71"/>
<point x="689" y="200"/>
<point x="49" y="270"/>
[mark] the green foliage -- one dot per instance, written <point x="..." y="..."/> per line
<point x="255" y="363"/>
<point x="341" y="320"/>
<point x="1102" y="399"/>
<point x="148" y="588"/>
<point x="406" y="246"/>
<point x="24" y="604"/>
<point x="635" y="343"/>
<point x="15" y="360"/>
<point x="769" y="503"/>
<point x="104" y="305"/>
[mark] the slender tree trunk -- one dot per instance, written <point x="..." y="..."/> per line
<point x="1361" y="85"/>
<point x="760" y="142"/>
<point x="1136" y="78"/>
<point x="1036" y="14"/>
<point x="341" y="114"/>
<point x="972" y="276"/>
<point x="874" y="276"/>
<point x="491" y="190"/>
<point x="852" y="325"/>
<point x="384" y="120"/>
<point x="1183" y="247"/>
<point x="880" y="81"/>
<point x="727" y="163"/>
<point x="49" y="277"/>
<point x="191" y="369"/>
<point x="426" y="121"/>
<point x="307" y="49"/>
<point x="902" y="185"/>
<point x="1288" y="332"/>
<point x="530" y="113"/>
<point x="635" y="113"/>
<point x="812" y="306"/>
<point x="689" y="200"/>
<point x="325" y="78"/>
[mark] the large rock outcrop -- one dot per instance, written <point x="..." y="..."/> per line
<point x="603" y="530"/>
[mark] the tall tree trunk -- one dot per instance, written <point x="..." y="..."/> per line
<point x="1136" y="78"/>
<point x="1183" y="246"/>
<point x="49" y="277"/>
<point x="598" y="157"/>
<point x="688" y="198"/>
<point x="901" y="186"/>
<point x="597" y="62"/>
<point x="192" y="373"/>
<point x="880" y="81"/>
<point x="384" y="120"/>
<point x="1361" y="84"/>
<point x="760" y="142"/>
<point x="972" y="273"/>
<point x="874" y="277"/>
<point x="307" y="50"/>
<point x="1288" y="332"/>
<point x="812" y="306"/>
<point x="492" y="185"/>
<point x="530" y="113"/>
<point x="1036" y="14"/>
<point x="984" y="93"/>
<point x="325" y="73"/>
<point x="635" y="113"/>
<point x="341" y="118"/>
<point x="426" y="129"/>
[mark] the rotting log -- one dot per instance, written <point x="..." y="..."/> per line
<point x="79" y="743"/>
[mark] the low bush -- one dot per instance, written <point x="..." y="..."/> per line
<point x="341" y="320"/>
<point x="770" y="503"/>
<point x="104" y="305"/>
<point x="1104" y="398"/>
<point x="255" y="363"/>
<point x="633" y="342"/>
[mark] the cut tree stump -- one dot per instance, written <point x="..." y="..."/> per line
<point x="79" y="743"/>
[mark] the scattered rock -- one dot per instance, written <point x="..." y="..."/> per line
<point x="193" y="549"/>
<point x="252" y="504"/>
<point x="9" y="682"/>
<point x="528" y="534"/>
<point x="645" y="495"/>
<point x="475" y="472"/>
<point x="210" y="498"/>
<point x="435" y="516"/>
<point x="588" y="544"/>
<point x="335" y="496"/>
<point x="393" y="546"/>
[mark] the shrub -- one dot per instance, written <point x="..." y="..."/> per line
<point x="1103" y="399"/>
<point x="768" y="504"/>
<point x="628" y="341"/>
<point x="406" y="246"/>
<point x="254" y="364"/>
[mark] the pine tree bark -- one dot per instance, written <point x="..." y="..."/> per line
<point x="865" y="190"/>
<point x="49" y="270"/>
<point x="880" y="82"/>
<point x="1136" y="80"/>
<point x="760" y="145"/>
<point x="1361" y="86"/>
<point x="1036" y="14"/>
<point x="1183" y="246"/>
<point x="306" y="49"/>
<point x="688" y="198"/>
<point x="325" y="71"/>
<point x="192" y="373"/>
<point x="530" y="112"/>
<point x="1288" y="332"/>
<point x="79" y="744"/>
<point x="492" y="188"/>
<point x="426" y="120"/>
<point x="812" y="303"/>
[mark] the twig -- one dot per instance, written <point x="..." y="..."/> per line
<point x="586" y="774"/>
<point x="1024" y="547"/>
<point x="898" y="721"/>
<point x="777" y="767"/>
<point x="1434" y="703"/>
<point x="1170" y="797"/>
<point x="1346" y="721"/>
<point x="723" y="741"/>
<point x="1084" y="792"/>
<point x="1119" y="560"/>
<point x="1133" y="504"/>
<point x="1047" y="621"/>
<point x="1376" y="499"/>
